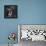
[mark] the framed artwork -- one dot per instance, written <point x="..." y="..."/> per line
<point x="32" y="32"/>
<point x="10" y="11"/>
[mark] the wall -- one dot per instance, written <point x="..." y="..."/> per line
<point x="29" y="12"/>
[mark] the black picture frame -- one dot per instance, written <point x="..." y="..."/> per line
<point x="10" y="11"/>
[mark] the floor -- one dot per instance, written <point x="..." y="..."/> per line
<point x="30" y="43"/>
<point x="7" y="45"/>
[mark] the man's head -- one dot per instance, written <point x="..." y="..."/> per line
<point x="10" y="11"/>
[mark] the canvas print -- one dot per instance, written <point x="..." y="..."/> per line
<point x="33" y="32"/>
<point x="10" y="11"/>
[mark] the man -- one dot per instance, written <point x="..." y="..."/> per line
<point x="11" y="12"/>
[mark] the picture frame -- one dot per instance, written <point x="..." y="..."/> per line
<point x="10" y="11"/>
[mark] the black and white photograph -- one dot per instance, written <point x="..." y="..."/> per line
<point x="10" y="11"/>
<point x="31" y="35"/>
